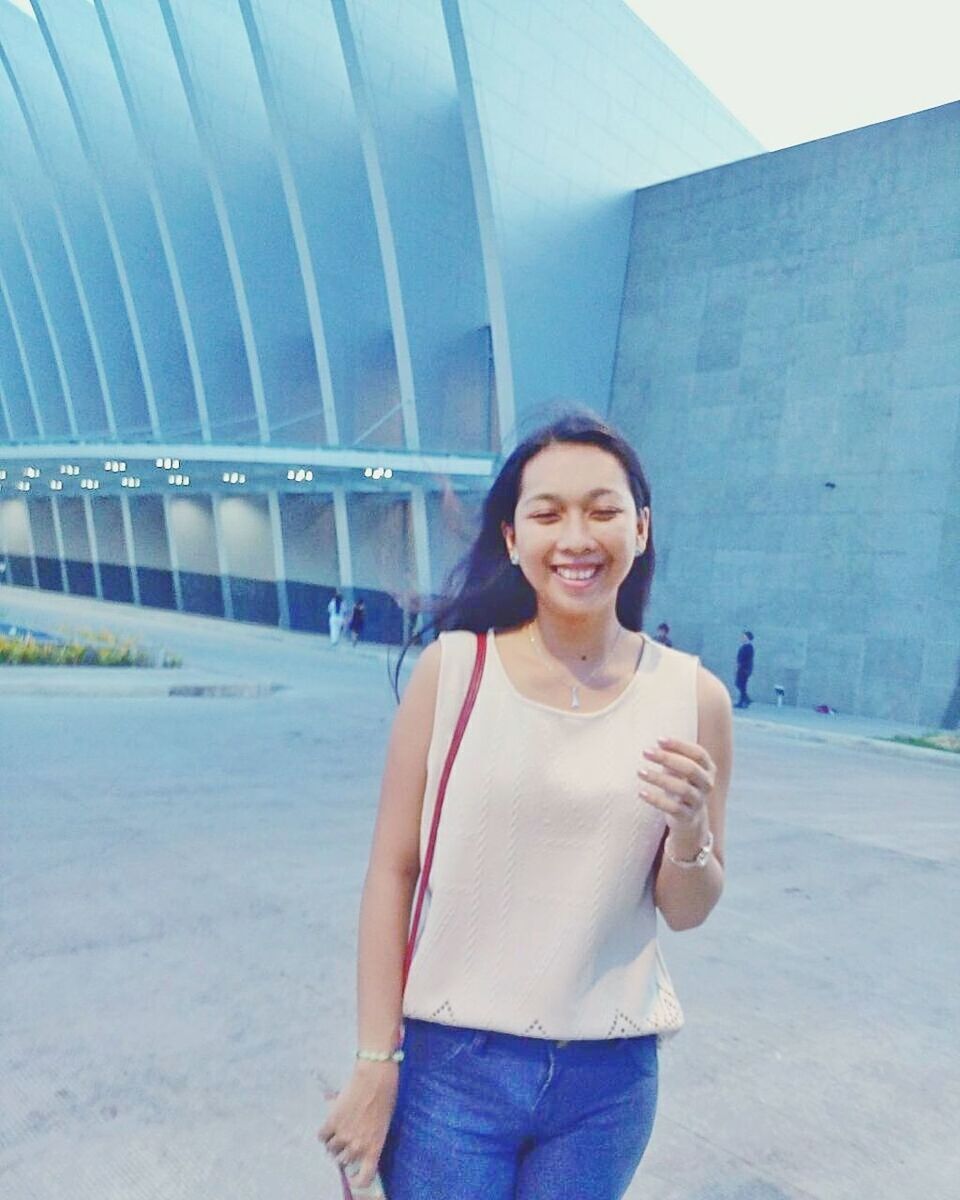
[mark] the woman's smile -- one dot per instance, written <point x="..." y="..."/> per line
<point x="580" y="577"/>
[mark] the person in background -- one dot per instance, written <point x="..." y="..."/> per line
<point x="663" y="634"/>
<point x="744" y="669"/>
<point x="357" y="621"/>
<point x="335" y="615"/>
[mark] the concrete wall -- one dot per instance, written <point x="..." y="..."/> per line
<point x="789" y="367"/>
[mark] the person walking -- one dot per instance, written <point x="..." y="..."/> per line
<point x="335" y="615"/>
<point x="744" y="669"/>
<point x="358" y="619"/>
<point x="519" y="1061"/>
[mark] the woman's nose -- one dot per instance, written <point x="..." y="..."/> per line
<point x="575" y="535"/>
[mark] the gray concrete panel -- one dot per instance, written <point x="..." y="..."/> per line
<point x="151" y="544"/>
<point x="244" y="523"/>
<point x="110" y="534"/>
<point x="789" y="368"/>
<point x="381" y="535"/>
<point x="310" y="539"/>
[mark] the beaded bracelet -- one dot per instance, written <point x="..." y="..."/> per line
<point x="379" y="1056"/>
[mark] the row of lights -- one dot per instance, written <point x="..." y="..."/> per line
<point x="294" y="475"/>
<point x="130" y="481"/>
<point x="91" y="485"/>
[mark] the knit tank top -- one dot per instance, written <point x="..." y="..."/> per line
<point x="540" y="918"/>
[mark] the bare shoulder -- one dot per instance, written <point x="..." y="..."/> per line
<point x="714" y="717"/>
<point x="712" y="696"/>
<point x="424" y="680"/>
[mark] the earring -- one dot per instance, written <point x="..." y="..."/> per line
<point x="515" y="558"/>
<point x="639" y="550"/>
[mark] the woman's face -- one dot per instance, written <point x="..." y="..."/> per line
<point x="576" y="528"/>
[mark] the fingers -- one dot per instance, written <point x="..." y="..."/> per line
<point x="699" y="771"/>
<point x="366" y="1172"/>
<point x="355" y="1158"/>
<point x="685" y="779"/>
<point x="671" y="805"/>
<point x="687" y="749"/>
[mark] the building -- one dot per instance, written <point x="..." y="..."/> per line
<point x="323" y="257"/>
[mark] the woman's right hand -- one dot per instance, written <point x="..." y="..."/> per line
<point x="356" y="1126"/>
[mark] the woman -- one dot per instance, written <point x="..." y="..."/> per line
<point x="588" y="792"/>
<point x="335" y="617"/>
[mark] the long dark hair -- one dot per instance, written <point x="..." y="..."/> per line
<point x="484" y="590"/>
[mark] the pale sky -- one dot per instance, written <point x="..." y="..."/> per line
<point x="794" y="70"/>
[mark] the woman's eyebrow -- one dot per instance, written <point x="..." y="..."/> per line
<point x="551" y="499"/>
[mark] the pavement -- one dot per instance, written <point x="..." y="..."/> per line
<point x="224" y="659"/>
<point x="180" y="878"/>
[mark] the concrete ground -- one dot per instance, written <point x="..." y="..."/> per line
<point x="180" y="883"/>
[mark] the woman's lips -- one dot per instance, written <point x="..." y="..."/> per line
<point x="578" y="578"/>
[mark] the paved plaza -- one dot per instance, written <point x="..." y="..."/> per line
<point x="180" y="885"/>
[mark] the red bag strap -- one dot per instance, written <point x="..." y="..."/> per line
<point x="455" y="741"/>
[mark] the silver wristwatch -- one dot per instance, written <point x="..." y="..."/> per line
<point x="703" y="855"/>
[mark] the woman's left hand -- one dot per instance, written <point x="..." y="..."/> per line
<point x="682" y="785"/>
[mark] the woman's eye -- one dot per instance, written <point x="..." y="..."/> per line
<point x="543" y="516"/>
<point x="606" y="514"/>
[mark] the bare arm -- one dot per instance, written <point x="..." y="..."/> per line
<point x="395" y="860"/>
<point x="684" y="896"/>
<point x="357" y="1125"/>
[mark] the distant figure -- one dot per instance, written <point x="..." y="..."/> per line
<point x="663" y="634"/>
<point x="357" y="621"/>
<point x="744" y="669"/>
<point x="335" y="616"/>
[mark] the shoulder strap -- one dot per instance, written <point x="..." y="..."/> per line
<point x="455" y="741"/>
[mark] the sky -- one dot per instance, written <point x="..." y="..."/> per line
<point x="793" y="71"/>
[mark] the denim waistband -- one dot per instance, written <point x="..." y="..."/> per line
<point x="520" y="1044"/>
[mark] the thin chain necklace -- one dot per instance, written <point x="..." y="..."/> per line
<point x="574" y="687"/>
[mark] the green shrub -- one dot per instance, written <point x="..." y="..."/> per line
<point x="933" y="741"/>
<point x="101" y="649"/>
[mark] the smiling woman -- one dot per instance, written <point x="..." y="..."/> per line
<point x="515" y="1053"/>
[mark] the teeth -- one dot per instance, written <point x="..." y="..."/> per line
<point x="572" y="573"/>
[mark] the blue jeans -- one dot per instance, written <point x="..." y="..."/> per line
<point x="491" y="1116"/>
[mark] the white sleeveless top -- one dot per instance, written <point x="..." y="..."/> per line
<point x="541" y="918"/>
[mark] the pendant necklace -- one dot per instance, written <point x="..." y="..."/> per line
<point x="574" y="687"/>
